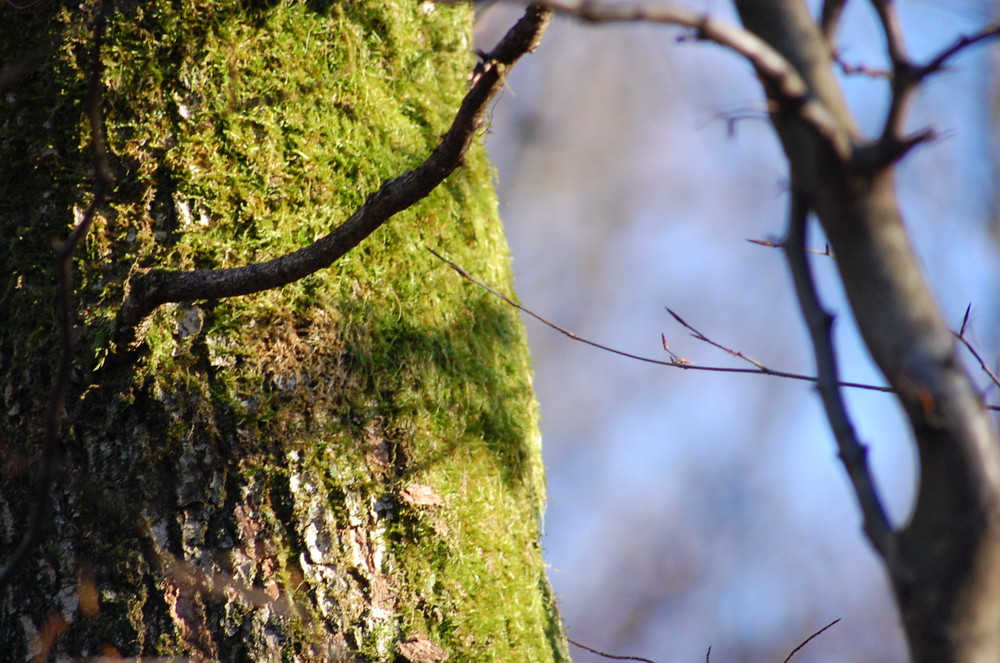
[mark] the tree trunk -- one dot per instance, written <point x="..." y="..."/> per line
<point x="944" y="564"/>
<point x="347" y="468"/>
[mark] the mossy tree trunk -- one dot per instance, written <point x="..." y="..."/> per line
<point x="346" y="468"/>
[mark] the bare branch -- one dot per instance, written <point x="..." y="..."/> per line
<point x="786" y="87"/>
<point x="853" y="454"/>
<point x="732" y="118"/>
<point x="562" y="330"/>
<point x="775" y="244"/>
<point x="149" y="290"/>
<point x="937" y="62"/>
<point x="675" y="360"/>
<point x="51" y="456"/>
<point x="960" y="335"/>
<point x="982" y="364"/>
<point x="859" y="69"/>
<point x="811" y="637"/>
<point x="906" y="76"/>
<point x="613" y="657"/>
<point x="701" y="337"/>
<point x="944" y="562"/>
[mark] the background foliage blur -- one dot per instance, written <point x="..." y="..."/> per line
<point x="690" y="509"/>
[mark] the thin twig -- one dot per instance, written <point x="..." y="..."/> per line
<point x="965" y="319"/>
<point x="860" y="69"/>
<point x="960" y="335"/>
<point x="148" y="291"/>
<point x="853" y="454"/>
<point x="614" y="657"/>
<point x="827" y="251"/>
<point x="806" y="641"/>
<point x="701" y="337"/>
<point x="51" y="455"/>
<point x="674" y="362"/>
<point x="732" y="118"/>
<point x="937" y="62"/>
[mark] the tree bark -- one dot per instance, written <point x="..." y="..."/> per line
<point x="347" y="468"/>
<point x="945" y="562"/>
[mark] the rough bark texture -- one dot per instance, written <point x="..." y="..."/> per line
<point x="343" y="469"/>
<point x="945" y="562"/>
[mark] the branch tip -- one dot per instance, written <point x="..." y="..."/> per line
<point x="613" y="657"/>
<point x="807" y="640"/>
<point x="965" y="320"/>
<point x="676" y="361"/>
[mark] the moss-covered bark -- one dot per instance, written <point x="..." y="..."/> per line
<point x="344" y="469"/>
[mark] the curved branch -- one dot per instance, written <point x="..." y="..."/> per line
<point x="786" y="87"/>
<point x="853" y="453"/>
<point x="149" y="290"/>
<point x="675" y="361"/>
<point x="936" y="63"/>
<point x="810" y="639"/>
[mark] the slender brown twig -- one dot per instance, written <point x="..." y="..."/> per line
<point x="733" y="118"/>
<point x="960" y="335"/>
<point x="806" y="641"/>
<point x="775" y="244"/>
<point x="675" y="361"/>
<point x="708" y="654"/>
<point x="701" y="337"/>
<point x="613" y="657"/>
<point x="860" y="69"/>
<point x="937" y="63"/>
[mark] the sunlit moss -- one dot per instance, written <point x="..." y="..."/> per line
<point x="241" y="131"/>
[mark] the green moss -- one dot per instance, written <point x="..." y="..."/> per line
<point x="241" y="131"/>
